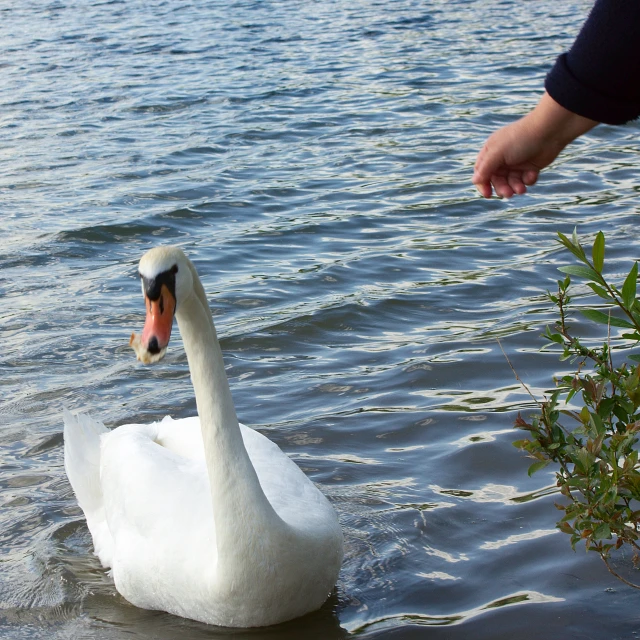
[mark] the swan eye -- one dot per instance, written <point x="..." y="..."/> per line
<point x="152" y="287"/>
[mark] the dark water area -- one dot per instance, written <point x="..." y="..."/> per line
<point x="314" y="160"/>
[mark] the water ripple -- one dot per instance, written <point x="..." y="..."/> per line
<point x="314" y="161"/>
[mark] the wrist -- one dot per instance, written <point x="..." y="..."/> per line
<point x="558" y="125"/>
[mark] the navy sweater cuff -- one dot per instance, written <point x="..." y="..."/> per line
<point x="575" y="96"/>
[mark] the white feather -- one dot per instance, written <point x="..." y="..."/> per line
<point x="203" y="517"/>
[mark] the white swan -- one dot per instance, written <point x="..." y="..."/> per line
<point x="203" y="517"/>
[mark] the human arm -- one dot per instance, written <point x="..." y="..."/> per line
<point x="598" y="76"/>
<point x="595" y="81"/>
<point x="513" y="156"/>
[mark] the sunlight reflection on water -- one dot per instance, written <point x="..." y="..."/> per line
<point x="314" y="160"/>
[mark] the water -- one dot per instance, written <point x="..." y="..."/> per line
<point x="314" y="160"/>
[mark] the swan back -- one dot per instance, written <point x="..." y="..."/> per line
<point x="204" y="518"/>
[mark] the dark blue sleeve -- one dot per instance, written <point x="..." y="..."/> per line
<point x="599" y="77"/>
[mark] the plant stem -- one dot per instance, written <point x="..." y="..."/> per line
<point x="617" y="575"/>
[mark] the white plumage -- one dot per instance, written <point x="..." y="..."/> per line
<point x="203" y="517"/>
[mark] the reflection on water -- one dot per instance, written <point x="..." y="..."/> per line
<point x="465" y="616"/>
<point x="314" y="160"/>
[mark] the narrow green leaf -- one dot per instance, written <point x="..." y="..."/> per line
<point x="599" y="291"/>
<point x="536" y="466"/>
<point x="603" y="318"/>
<point x="582" y="272"/>
<point x="574" y="237"/>
<point x="577" y="251"/>
<point x="634" y="357"/>
<point x="597" y="252"/>
<point x="629" y="287"/>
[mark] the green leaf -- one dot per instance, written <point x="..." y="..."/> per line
<point x="574" y="237"/>
<point x="629" y="287"/>
<point x="577" y="250"/>
<point x="582" y="272"/>
<point x="598" y="252"/>
<point x="599" y="291"/>
<point x="536" y="466"/>
<point x="603" y="318"/>
<point x="602" y="532"/>
<point x="598" y="458"/>
<point x="555" y="337"/>
<point x="565" y="527"/>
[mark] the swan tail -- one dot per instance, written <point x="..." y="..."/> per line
<point x="82" y="435"/>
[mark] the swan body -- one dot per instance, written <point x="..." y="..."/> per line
<point x="203" y="517"/>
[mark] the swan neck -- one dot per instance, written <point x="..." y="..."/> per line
<point x="240" y="507"/>
<point x="206" y="365"/>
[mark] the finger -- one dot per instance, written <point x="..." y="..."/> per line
<point x="501" y="186"/>
<point x="479" y="176"/>
<point x="515" y="182"/>
<point x="490" y="161"/>
<point x="482" y="183"/>
<point x="530" y="177"/>
<point x="480" y="158"/>
<point x="484" y="188"/>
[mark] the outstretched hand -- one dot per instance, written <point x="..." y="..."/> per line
<point x="512" y="157"/>
<point x="511" y="160"/>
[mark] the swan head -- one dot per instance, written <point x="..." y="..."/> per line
<point x="166" y="280"/>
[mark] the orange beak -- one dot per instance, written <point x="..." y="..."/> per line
<point x="151" y="346"/>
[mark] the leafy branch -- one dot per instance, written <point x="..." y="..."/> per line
<point x="595" y="447"/>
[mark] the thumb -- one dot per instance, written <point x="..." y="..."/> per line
<point x="486" y="166"/>
<point x="490" y="160"/>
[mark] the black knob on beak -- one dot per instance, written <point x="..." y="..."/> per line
<point x="153" y="346"/>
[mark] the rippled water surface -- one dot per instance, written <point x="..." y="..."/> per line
<point x="314" y="160"/>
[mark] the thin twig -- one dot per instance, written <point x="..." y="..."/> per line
<point x="515" y="373"/>
<point x="617" y="575"/>
<point x="620" y="304"/>
<point x="613" y="386"/>
<point x="633" y="542"/>
<point x="561" y="298"/>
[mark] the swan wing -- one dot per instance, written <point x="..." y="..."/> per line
<point x="283" y="482"/>
<point x="146" y="495"/>
<point x="295" y="498"/>
<point x="158" y="506"/>
<point x="82" y="438"/>
<point x="182" y="436"/>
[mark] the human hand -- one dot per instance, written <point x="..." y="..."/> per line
<point x="511" y="160"/>
<point x="512" y="157"/>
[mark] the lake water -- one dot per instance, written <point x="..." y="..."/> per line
<point x="314" y="160"/>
